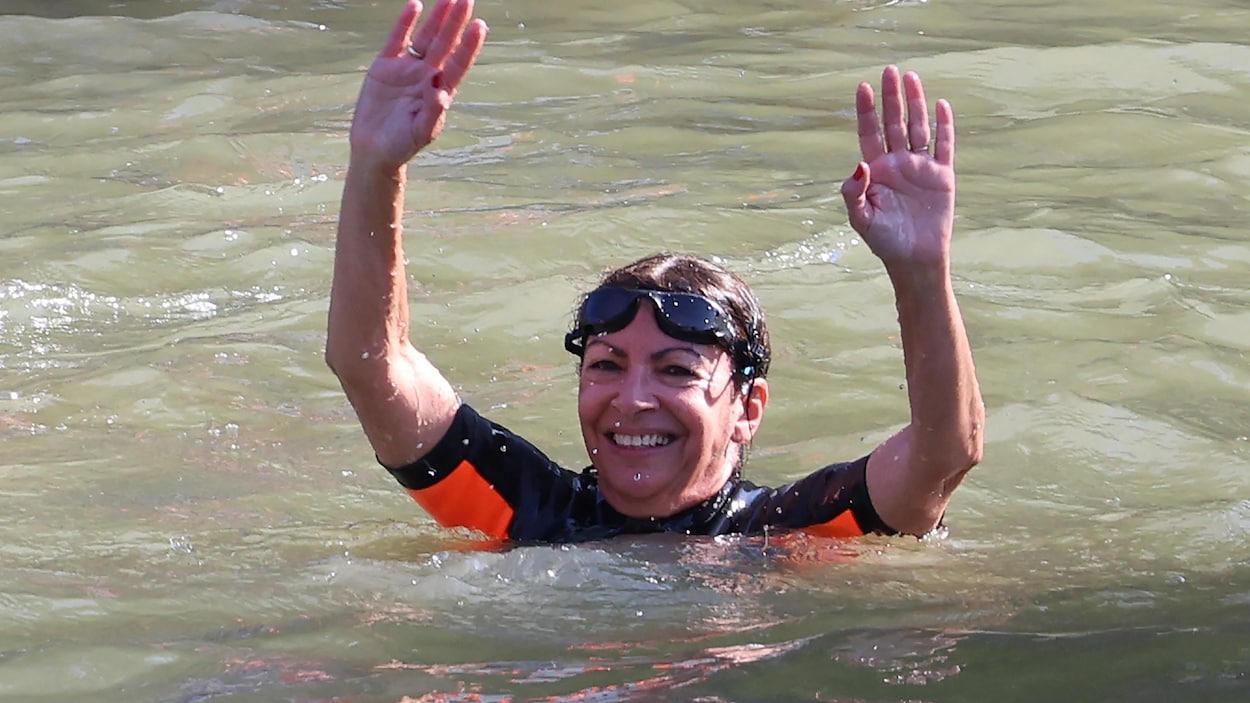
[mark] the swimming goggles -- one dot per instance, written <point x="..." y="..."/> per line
<point x="685" y="316"/>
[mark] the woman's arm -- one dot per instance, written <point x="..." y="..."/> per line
<point x="403" y="402"/>
<point x="901" y="200"/>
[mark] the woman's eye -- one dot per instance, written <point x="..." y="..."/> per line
<point x="603" y="365"/>
<point x="680" y="371"/>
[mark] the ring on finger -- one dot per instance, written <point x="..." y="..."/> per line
<point x="415" y="53"/>
<point x="922" y="149"/>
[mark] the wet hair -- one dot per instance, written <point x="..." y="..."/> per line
<point x="682" y="273"/>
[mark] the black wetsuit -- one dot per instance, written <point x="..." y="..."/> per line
<point x="482" y="476"/>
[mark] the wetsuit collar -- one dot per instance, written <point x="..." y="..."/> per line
<point x="697" y="520"/>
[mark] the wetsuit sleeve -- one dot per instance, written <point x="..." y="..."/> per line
<point x="832" y="502"/>
<point x="483" y="477"/>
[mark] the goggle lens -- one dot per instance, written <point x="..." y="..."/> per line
<point x="685" y="316"/>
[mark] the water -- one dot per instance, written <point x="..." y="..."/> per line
<point x="188" y="511"/>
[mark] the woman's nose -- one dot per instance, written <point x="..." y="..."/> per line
<point x="635" y="392"/>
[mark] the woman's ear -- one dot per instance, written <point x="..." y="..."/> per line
<point x="751" y="411"/>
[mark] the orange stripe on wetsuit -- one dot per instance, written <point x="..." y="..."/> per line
<point x="843" y="526"/>
<point x="464" y="499"/>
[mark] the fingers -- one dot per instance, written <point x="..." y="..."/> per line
<point x="398" y="39"/>
<point x="892" y="110"/>
<point x="441" y="30"/>
<point x="429" y="121"/>
<point x="464" y="55"/>
<point x="903" y="124"/>
<point x="855" y="194"/>
<point x="944" y="145"/>
<point x="917" y="113"/>
<point x="867" y="125"/>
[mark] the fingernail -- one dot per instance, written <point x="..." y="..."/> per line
<point x="437" y="80"/>
<point x="859" y="172"/>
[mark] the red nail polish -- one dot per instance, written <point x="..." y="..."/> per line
<point x="859" y="172"/>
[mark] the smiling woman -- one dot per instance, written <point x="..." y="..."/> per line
<point x="674" y="349"/>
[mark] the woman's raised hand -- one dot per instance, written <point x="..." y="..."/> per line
<point x="901" y="198"/>
<point x="410" y="85"/>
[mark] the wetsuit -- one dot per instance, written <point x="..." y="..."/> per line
<point x="484" y="477"/>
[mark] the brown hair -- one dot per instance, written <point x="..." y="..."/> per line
<point x="682" y="273"/>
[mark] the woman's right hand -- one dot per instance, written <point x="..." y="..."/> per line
<point x="901" y="198"/>
<point x="403" y="103"/>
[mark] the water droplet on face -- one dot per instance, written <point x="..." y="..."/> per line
<point x="503" y="448"/>
<point x="594" y="451"/>
<point x="638" y="476"/>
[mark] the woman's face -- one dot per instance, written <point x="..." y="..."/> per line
<point x="660" y="417"/>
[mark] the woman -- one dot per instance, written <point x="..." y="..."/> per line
<point x="674" y="350"/>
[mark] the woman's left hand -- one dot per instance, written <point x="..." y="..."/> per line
<point x="901" y="198"/>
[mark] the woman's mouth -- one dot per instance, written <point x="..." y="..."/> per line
<point x="639" y="440"/>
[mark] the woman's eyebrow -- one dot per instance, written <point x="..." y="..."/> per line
<point x="689" y="351"/>
<point x="655" y="356"/>
<point x="598" y="340"/>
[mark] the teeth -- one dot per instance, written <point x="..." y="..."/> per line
<point x="646" y="440"/>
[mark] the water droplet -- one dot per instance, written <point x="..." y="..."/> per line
<point x="638" y="476"/>
<point x="594" y="451"/>
<point x="503" y="448"/>
<point x="465" y="441"/>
